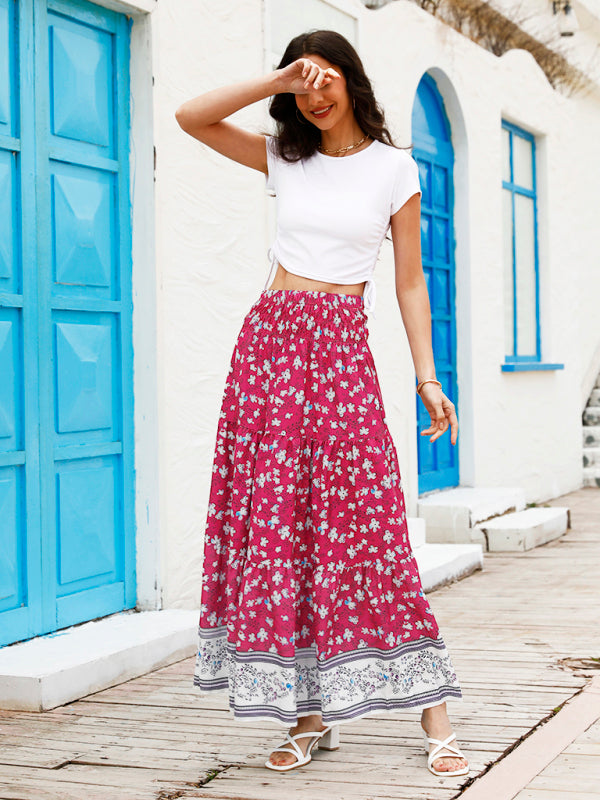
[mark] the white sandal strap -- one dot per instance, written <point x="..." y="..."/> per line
<point x="440" y="745"/>
<point x="296" y="749"/>
<point x="292" y="739"/>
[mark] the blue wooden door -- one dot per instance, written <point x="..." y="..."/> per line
<point x="20" y="538"/>
<point x="66" y="440"/>
<point x="438" y="461"/>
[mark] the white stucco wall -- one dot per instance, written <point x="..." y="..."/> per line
<point x="211" y="236"/>
<point x="521" y="428"/>
<point x="210" y="241"/>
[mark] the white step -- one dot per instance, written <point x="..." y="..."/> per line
<point x="591" y="456"/>
<point x="591" y="435"/>
<point x="451" y="515"/>
<point x="594" y="398"/>
<point x="440" y="564"/>
<point x="526" y="529"/>
<point x="416" y="532"/>
<point x="60" y="667"/>
<point x="591" y="415"/>
<point x="591" y="476"/>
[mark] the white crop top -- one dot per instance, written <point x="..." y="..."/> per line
<point x="333" y="213"/>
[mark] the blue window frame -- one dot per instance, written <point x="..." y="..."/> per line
<point x="520" y="252"/>
<point x="521" y="272"/>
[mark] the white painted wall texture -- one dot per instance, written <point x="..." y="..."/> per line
<point x="210" y="238"/>
<point x="211" y="235"/>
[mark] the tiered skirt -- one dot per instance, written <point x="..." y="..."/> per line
<point x="311" y="599"/>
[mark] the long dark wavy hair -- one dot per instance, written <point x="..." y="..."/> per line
<point x="296" y="140"/>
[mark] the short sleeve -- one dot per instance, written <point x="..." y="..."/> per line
<point x="271" y="178"/>
<point x="406" y="182"/>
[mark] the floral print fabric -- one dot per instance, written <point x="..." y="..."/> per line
<point x="311" y="597"/>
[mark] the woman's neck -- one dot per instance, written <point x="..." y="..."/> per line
<point x="339" y="137"/>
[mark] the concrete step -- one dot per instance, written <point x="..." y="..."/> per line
<point x="591" y="476"/>
<point x="591" y="415"/>
<point x="591" y="456"/>
<point x="594" y="398"/>
<point x="416" y="532"/>
<point x="440" y="564"/>
<point x="51" y="670"/>
<point x="451" y="515"/>
<point x="523" y="530"/>
<point x="591" y="435"/>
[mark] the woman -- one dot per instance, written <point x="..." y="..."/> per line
<point x="312" y="608"/>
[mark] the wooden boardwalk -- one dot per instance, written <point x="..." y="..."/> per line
<point x="573" y="775"/>
<point x="510" y="629"/>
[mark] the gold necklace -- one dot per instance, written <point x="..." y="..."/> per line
<point x="344" y="149"/>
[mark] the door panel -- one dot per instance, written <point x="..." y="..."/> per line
<point x="66" y="443"/>
<point x="84" y="485"/>
<point x="438" y="461"/>
<point x="12" y="585"/>
<point x="19" y="444"/>
<point x="83" y="215"/>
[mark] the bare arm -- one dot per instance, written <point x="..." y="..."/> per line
<point x="413" y="299"/>
<point x="411" y="288"/>
<point x="203" y="116"/>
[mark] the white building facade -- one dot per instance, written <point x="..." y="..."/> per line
<point x="510" y="171"/>
<point x="520" y="420"/>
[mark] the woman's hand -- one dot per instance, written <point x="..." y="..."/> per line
<point x="441" y="410"/>
<point x="297" y="76"/>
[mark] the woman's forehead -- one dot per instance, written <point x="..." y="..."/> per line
<point x="322" y="62"/>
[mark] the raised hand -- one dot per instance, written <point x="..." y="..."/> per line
<point x="298" y="76"/>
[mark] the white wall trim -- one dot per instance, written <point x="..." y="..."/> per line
<point x="128" y="6"/>
<point x="146" y="353"/>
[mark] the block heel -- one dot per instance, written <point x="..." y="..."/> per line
<point x="330" y="739"/>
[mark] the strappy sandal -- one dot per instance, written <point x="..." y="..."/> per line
<point x="440" y="745"/>
<point x="328" y="739"/>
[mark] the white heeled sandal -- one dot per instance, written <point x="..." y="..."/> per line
<point x="440" y="745"/>
<point x="328" y="739"/>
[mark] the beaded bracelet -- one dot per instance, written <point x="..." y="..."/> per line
<point x="428" y="380"/>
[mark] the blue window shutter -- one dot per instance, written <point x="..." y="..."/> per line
<point x="522" y="190"/>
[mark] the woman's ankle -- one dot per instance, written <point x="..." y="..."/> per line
<point x="435" y="715"/>
<point x="310" y="720"/>
<point x="432" y="711"/>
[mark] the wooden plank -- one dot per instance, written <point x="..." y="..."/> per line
<point x="30" y="753"/>
<point x="41" y="790"/>
<point x="584" y="748"/>
<point x="104" y="754"/>
<point x="301" y="784"/>
<point x="106" y="775"/>
<point x="506" y="630"/>
<point x="564" y="783"/>
<point x="549" y="794"/>
<point x="473" y="734"/>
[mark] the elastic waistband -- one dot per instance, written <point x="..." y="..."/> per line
<point x="312" y="297"/>
<point x="368" y="296"/>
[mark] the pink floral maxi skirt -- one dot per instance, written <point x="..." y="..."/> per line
<point x="311" y="597"/>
